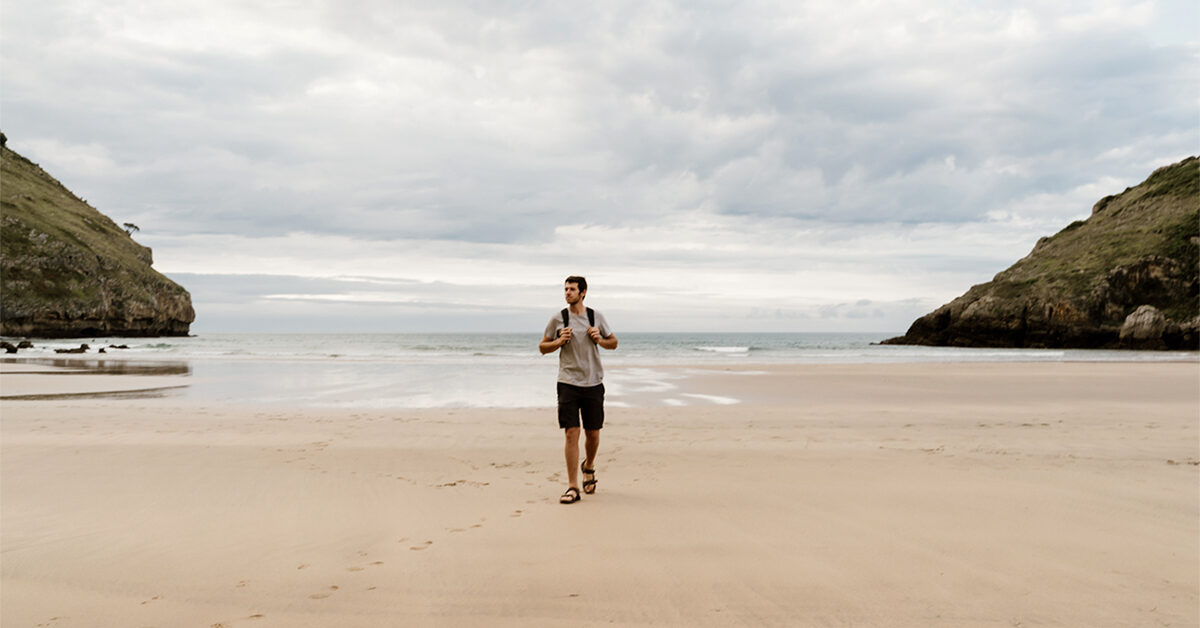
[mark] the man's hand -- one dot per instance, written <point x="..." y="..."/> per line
<point x="550" y="345"/>
<point x="609" y="342"/>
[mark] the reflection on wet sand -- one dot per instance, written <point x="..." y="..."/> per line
<point x="144" y="393"/>
<point x="76" y="366"/>
<point x="26" y="379"/>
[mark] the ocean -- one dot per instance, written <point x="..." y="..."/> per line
<point x="489" y="370"/>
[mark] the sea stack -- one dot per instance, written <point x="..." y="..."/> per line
<point x="1127" y="277"/>
<point x="68" y="271"/>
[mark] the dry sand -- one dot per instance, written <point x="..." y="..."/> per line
<point x="867" y="495"/>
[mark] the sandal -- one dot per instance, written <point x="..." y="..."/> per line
<point x="589" y="486"/>
<point x="570" y="497"/>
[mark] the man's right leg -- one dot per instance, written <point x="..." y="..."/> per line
<point x="571" y="450"/>
<point x="568" y="420"/>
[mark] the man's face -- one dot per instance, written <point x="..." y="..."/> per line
<point x="572" y="293"/>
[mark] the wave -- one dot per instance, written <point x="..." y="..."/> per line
<point x="724" y="349"/>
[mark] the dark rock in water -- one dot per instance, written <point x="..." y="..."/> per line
<point x="1128" y="277"/>
<point x="118" y="346"/>
<point x="66" y="270"/>
<point x="25" y="344"/>
<point x="8" y="347"/>
<point x="81" y="349"/>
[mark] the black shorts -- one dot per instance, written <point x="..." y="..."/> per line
<point x="576" y="401"/>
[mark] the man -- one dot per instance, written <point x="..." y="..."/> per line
<point x="580" y="381"/>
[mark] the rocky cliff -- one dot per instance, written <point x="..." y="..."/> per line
<point x="1127" y="277"/>
<point x="66" y="270"/>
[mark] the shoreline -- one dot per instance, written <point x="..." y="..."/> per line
<point x="869" y="495"/>
<point x="629" y="386"/>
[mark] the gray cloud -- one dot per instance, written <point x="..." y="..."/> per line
<point x="498" y="124"/>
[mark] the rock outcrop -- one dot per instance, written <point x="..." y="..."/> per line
<point x="1127" y="277"/>
<point x="66" y="270"/>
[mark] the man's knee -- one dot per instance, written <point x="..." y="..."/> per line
<point x="572" y="434"/>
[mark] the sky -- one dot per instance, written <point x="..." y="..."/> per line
<point x="384" y="166"/>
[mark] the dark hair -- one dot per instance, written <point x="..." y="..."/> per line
<point x="580" y="281"/>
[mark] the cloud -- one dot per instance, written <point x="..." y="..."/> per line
<point x="818" y="146"/>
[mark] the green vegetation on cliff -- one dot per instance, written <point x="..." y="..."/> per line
<point x="66" y="270"/>
<point x="1081" y="287"/>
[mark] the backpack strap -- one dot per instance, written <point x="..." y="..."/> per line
<point x="566" y="316"/>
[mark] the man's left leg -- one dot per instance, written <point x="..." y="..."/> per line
<point x="592" y="415"/>
<point x="591" y="443"/>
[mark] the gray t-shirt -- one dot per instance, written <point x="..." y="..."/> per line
<point x="579" y="360"/>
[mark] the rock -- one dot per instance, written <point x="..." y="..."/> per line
<point x="81" y="349"/>
<point x="67" y="270"/>
<point x="1085" y="286"/>
<point x="24" y="344"/>
<point x="1145" y="323"/>
<point x="1144" y="328"/>
<point x="118" y="346"/>
<point x="8" y="347"/>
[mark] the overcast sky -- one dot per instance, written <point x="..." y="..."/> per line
<point x="442" y="165"/>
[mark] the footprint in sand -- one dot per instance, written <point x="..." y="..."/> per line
<point x="304" y="566"/>
<point x="321" y="596"/>
<point x="425" y="545"/>
<point x="516" y="513"/>
<point x="356" y="569"/>
<point x="151" y="600"/>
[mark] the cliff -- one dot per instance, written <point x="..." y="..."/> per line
<point x="66" y="270"/>
<point x="1128" y="277"/>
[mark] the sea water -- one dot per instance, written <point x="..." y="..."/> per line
<point x="491" y="370"/>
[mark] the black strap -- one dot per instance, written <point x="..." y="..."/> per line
<point x="566" y="316"/>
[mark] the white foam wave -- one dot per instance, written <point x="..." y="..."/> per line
<point x="725" y="349"/>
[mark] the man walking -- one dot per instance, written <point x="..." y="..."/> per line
<point x="576" y="333"/>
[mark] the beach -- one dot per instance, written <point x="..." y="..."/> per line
<point x="931" y="494"/>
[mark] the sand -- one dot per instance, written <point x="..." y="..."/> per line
<point x="1061" y="494"/>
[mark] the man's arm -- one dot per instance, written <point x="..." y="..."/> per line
<point x="550" y="345"/>
<point x="609" y="343"/>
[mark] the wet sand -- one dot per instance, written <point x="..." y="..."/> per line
<point x="1057" y="494"/>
